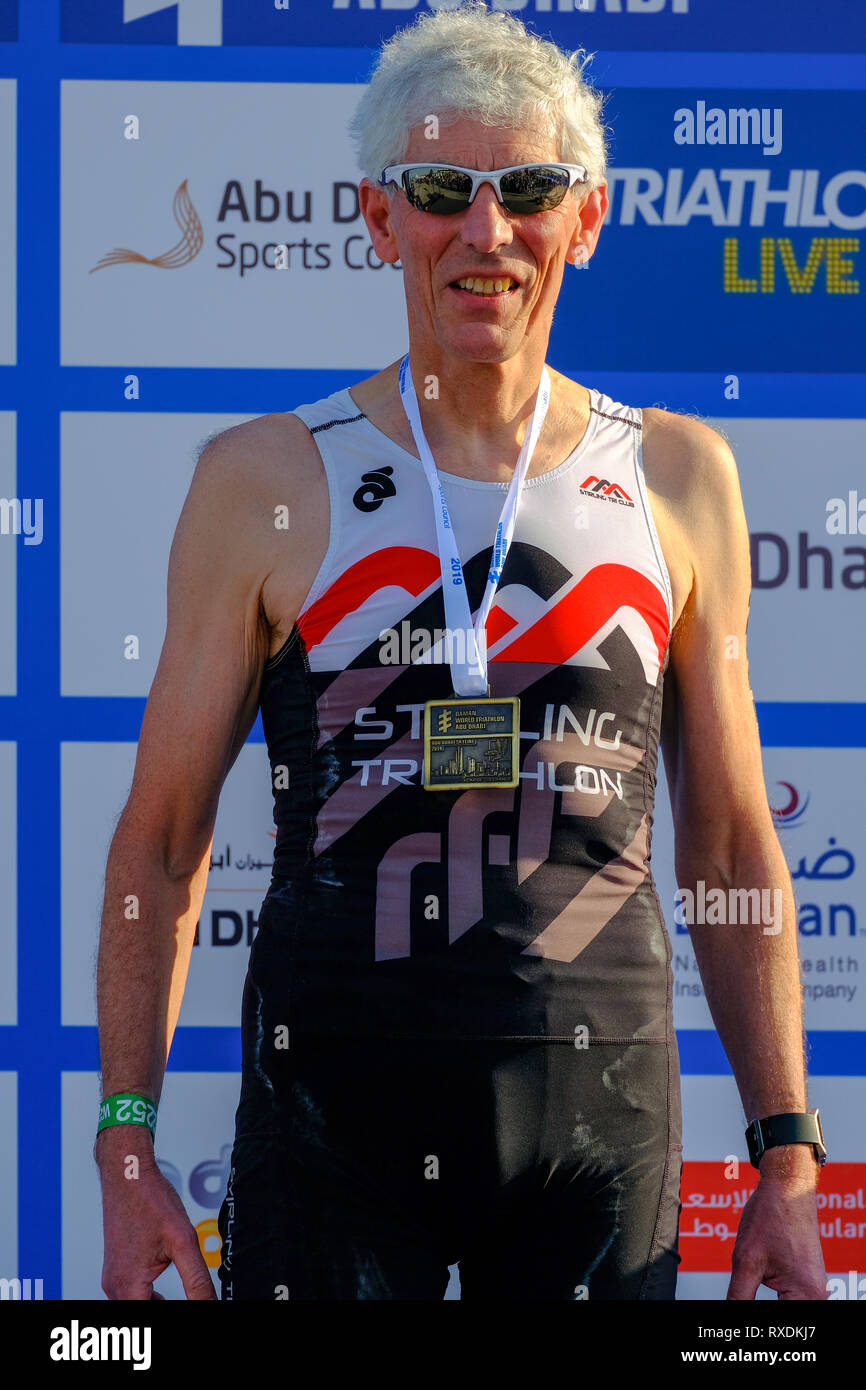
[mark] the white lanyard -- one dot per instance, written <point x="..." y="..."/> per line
<point x="470" y="675"/>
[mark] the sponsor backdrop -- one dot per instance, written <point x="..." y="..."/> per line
<point x="153" y="155"/>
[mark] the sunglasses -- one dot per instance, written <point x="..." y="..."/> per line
<point x="449" y="188"/>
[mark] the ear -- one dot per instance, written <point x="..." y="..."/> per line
<point x="591" y="214"/>
<point x="375" y="207"/>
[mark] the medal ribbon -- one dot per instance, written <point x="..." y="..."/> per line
<point x="470" y="676"/>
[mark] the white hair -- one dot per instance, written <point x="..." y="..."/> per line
<point x="474" y="62"/>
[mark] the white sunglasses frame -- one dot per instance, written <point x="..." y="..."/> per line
<point x="393" y="173"/>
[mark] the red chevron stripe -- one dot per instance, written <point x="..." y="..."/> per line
<point x="400" y="566"/>
<point x="498" y="623"/>
<point x="579" y="614"/>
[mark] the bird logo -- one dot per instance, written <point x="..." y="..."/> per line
<point x="191" y="241"/>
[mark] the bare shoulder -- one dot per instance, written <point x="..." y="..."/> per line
<point x="691" y="475"/>
<point x="258" y="453"/>
<point x="685" y="460"/>
<point x="260" y="495"/>
<point x="260" y="465"/>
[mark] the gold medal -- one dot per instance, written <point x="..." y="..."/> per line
<point x="471" y="743"/>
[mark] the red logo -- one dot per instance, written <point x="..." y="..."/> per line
<point x="603" y="487"/>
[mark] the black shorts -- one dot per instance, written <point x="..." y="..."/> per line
<point x="364" y="1168"/>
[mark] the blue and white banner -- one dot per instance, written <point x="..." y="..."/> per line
<point x="734" y="238"/>
<point x="733" y="242"/>
<point x="795" y="26"/>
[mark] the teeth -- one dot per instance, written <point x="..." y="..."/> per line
<point x="478" y="286"/>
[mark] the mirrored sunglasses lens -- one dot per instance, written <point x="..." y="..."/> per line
<point x="439" y="190"/>
<point x="534" y="189"/>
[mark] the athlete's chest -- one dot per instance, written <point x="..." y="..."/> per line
<point x="591" y="539"/>
<point x="582" y="561"/>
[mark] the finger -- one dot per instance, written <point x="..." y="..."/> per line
<point x="197" y="1283"/>
<point x="132" y="1290"/>
<point x="123" y="1284"/>
<point x="744" y="1284"/>
<point x="802" y="1291"/>
<point x="160" y="1296"/>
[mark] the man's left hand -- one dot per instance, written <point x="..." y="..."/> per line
<point x="777" y="1241"/>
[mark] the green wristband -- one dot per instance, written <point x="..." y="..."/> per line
<point x="127" y="1108"/>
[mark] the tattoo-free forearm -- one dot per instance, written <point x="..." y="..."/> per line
<point x="148" y="925"/>
<point x="751" y="976"/>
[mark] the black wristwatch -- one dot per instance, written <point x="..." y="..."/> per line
<point x="786" y="1129"/>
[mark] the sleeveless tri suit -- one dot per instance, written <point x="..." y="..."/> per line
<point x="458" y="1043"/>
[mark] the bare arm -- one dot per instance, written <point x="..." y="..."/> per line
<point x="202" y="704"/>
<point x="723" y="826"/>
<point x="724" y="829"/>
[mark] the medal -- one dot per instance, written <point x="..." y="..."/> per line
<point x="471" y="743"/>
<point x="473" y="738"/>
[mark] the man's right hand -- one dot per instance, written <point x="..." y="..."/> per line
<point x="145" y="1225"/>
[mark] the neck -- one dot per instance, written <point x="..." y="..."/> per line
<point x="478" y="411"/>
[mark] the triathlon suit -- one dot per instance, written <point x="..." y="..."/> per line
<point x="457" y="1036"/>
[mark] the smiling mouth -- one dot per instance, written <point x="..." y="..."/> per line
<point x="485" y="288"/>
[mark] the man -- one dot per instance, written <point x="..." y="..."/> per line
<point x="458" y="1042"/>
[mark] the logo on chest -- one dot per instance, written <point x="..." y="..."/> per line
<point x="603" y="487"/>
<point x="375" y="487"/>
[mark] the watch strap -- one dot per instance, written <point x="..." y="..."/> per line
<point x="773" y="1130"/>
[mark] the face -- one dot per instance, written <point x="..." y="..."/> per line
<point x="486" y="242"/>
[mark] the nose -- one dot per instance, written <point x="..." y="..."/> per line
<point x="484" y="224"/>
